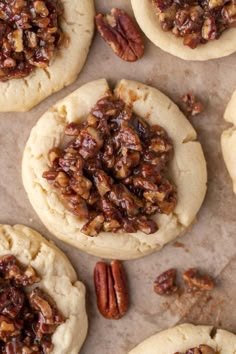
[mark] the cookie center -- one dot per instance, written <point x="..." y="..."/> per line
<point x="30" y="33"/>
<point x="28" y="315"/>
<point x="113" y="173"/>
<point x="198" y="22"/>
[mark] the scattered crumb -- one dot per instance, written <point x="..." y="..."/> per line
<point x="178" y="244"/>
<point x="191" y="105"/>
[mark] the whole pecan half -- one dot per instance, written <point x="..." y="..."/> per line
<point x="111" y="289"/>
<point x="120" y="32"/>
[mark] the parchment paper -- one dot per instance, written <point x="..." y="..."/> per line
<point x="210" y="245"/>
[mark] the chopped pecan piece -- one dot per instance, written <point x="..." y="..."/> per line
<point x="91" y="142"/>
<point x="111" y="225"/>
<point x="81" y="185"/>
<point x="11" y="300"/>
<point x="154" y="196"/>
<point x="209" y="30"/>
<point x="145" y="225"/>
<point x="49" y="315"/>
<point x="142" y="128"/>
<point x="103" y="182"/>
<point x="71" y="162"/>
<point x="195" y="281"/>
<point x="62" y="179"/>
<point x="159" y="145"/>
<point x="108" y="107"/>
<point x="126" y="137"/>
<point x="72" y="129"/>
<point x="120" y="32"/>
<point x="53" y="157"/>
<point x="165" y="283"/>
<point x="76" y="204"/>
<point x="111" y="289"/>
<point x="192" y="106"/>
<point x="125" y="200"/>
<point x="109" y="209"/>
<point x="216" y="3"/>
<point x="205" y="349"/>
<point x="145" y="184"/>
<point x="93" y="227"/>
<point x="50" y="176"/>
<point x="125" y="162"/>
<point x="8" y="328"/>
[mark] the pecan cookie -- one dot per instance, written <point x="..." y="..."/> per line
<point x="188" y="339"/>
<point x="104" y="177"/>
<point x="44" y="45"/>
<point x="191" y="30"/>
<point x="42" y="302"/>
<point x="228" y="140"/>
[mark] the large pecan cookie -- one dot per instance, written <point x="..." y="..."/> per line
<point x="191" y="30"/>
<point x="44" y="45"/>
<point x="228" y="140"/>
<point x="188" y="339"/>
<point x="42" y="307"/>
<point x="117" y="175"/>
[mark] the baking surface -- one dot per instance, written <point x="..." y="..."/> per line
<point x="209" y="245"/>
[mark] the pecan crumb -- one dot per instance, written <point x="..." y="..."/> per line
<point x="120" y="32"/>
<point x="165" y="283"/>
<point x="191" y="104"/>
<point x="194" y="281"/>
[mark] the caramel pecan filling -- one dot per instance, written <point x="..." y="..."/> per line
<point x="113" y="171"/>
<point x="28" y="318"/>
<point x="196" y="21"/>
<point x="29" y="35"/>
<point x="202" y="349"/>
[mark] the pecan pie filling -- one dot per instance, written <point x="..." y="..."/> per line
<point x="198" y="22"/>
<point x="29" y="36"/>
<point x="202" y="349"/>
<point x="28" y="316"/>
<point x="113" y="173"/>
